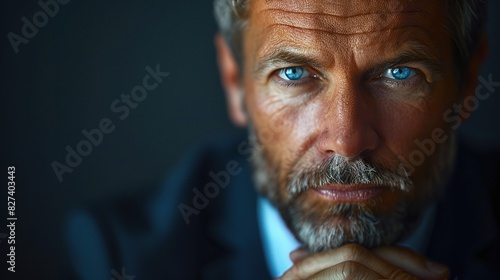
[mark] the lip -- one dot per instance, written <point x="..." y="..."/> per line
<point x="350" y="193"/>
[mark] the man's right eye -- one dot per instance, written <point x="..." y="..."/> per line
<point x="293" y="73"/>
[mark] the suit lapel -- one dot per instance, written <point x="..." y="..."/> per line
<point x="465" y="227"/>
<point x="234" y="229"/>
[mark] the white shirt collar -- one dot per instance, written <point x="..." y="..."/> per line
<point x="278" y="241"/>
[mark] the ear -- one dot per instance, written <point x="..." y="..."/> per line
<point x="476" y="61"/>
<point x="229" y="74"/>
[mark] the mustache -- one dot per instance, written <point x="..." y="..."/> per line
<point x="341" y="170"/>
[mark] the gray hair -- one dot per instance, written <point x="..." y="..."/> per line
<point x="231" y="17"/>
<point x="466" y="19"/>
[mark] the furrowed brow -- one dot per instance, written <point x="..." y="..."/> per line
<point x="281" y="58"/>
<point x="416" y="53"/>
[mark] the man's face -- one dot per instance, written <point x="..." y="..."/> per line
<point x="337" y="92"/>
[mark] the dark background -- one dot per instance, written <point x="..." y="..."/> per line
<point x="64" y="80"/>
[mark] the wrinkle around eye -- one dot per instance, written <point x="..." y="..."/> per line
<point x="297" y="93"/>
<point x="414" y="92"/>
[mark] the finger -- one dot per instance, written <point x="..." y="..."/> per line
<point x="351" y="252"/>
<point x="347" y="270"/>
<point x="315" y="263"/>
<point x="299" y="254"/>
<point x="412" y="262"/>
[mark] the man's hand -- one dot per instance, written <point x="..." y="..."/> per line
<point x="356" y="262"/>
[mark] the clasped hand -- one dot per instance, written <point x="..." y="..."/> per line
<point x="356" y="262"/>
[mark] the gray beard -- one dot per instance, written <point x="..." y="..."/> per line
<point x="319" y="228"/>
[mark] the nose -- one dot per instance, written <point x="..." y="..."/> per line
<point x="348" y="127"/>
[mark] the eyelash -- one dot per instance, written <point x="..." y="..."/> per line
<point x="294" y="84"/>
<point x="402" y="83"/>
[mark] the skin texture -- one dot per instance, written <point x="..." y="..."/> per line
<point x="345" y="107"/>
<point x="355" y="262"/>
<point x="345" y="110"/>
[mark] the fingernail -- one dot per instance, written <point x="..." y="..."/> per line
<point x="437" y="267"/>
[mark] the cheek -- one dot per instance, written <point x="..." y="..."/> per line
<point x="269" y="117"/>
<point x="402" y="125"/>
<point x="283" y="127"/>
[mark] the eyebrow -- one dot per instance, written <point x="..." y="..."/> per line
<point x="288" y="56"/>
<point x="416" y="52"/>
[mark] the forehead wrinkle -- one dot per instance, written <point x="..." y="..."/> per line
<point x="411" y="46"/>
<point x="324" y="43"/>
<point x="329" y="32"/>
<point x="348" y="8"/>
<point x="288" y="49"/>
<point x="353" y="24"/>
<point x="270" y="26"/>
<point x="330" y="48"/>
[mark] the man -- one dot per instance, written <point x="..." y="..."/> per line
<point x="352" y="145"/>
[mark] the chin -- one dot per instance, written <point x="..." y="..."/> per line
<point x="323" y="225"/>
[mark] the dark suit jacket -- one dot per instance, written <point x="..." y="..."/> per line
<point x="146" y="235"/>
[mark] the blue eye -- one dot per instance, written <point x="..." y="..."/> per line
<point x="399" y="73"/>
<point x="293" y="73"/>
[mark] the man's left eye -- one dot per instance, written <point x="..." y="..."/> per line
<point x="399" y="73"/>
<point x="293" y="73"/>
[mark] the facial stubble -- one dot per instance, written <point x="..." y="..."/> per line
<point x="327" y="225"/>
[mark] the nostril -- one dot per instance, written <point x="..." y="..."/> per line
<point x="349" y="143"/>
